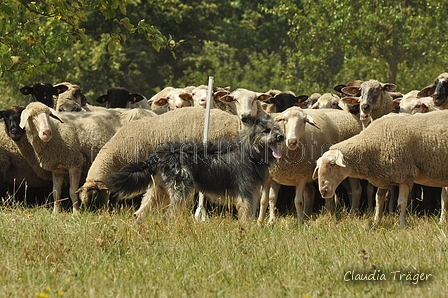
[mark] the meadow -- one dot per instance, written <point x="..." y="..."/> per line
<point x="106" y="254"/>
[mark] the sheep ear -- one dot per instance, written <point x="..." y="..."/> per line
<point x="389" y="87"/>
<point x="351" y="100"/>
<point x="340" y="159"/>
<point x="396" y="103"/>
<point x="301" y="98"/>
<point x="135" y="97"/>
<point x="264" y="97"/>
<point x="220" y="93"/>
<point x="161" y="102"/>
<point x="427" y="91"/>
<point x="26" y="90"/>
<point x="59" y="89"/>
<point x="338" y="88"/>
<point x="185" y="96"/>
<point x="55" y="116"/>
<point x="102" y="99"/>
<point x="227" y="98"/>
<point x="311" y="121"/>
<point x="341" y="105"/>
<point x="351" y="90"/>
<point x="425" y="108"/>
<point x="24" y="118"/>
<point x="316" y="170"/>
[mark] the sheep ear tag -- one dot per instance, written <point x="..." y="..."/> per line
<point x="311" y="121"/>
<point x="135" y="97"/>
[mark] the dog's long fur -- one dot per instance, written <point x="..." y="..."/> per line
<point x="237" y="168"/>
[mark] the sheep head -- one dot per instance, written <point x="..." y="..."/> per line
<point x="331" y="170"/>
<point x="294" y="121"/>
<point x="36" y="117"/>
<point x="438" y="91"/>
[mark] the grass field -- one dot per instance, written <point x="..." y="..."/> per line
<point x="100" y="254"/>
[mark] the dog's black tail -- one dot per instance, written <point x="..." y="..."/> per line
<point x="133" y="179"/>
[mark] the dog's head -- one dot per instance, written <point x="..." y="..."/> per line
<point x="265" y="134"/>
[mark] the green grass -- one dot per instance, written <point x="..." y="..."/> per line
<point x="108" y="255"/>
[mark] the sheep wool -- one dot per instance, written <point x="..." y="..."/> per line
<point x="137" y="140"/>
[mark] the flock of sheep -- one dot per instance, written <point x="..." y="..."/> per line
<point x="364" y="131"/>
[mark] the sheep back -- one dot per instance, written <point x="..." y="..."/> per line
<point x="400" y="149"/>
<point x="136" y="140"/>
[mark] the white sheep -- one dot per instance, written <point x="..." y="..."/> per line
<point x="134" y="142"/>
<point x="330" y="101"/>
<point x="438" y="91"/>
<point x="159" y="109"/>
<point x="199" y="97"/>
<point x="68" y="142"/>
<point x="308" y="133"/>
<point x="245" y="102"/>
<point x="175" y="98"/>
<point x="410" y="103"/>
<point x="394" y="150"/>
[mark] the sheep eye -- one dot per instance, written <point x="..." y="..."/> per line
<point x="332" y="163"/>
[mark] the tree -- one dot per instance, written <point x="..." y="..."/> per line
<point x="332" y="36"/>
<point x="35" y="34"/>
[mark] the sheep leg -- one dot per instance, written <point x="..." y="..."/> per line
<point x="403" y="195"/>
<point x="308" y="195"/>
<point x="444" y="203"/>
<point x="330" y="204"/>
<point x="380" y="198"/>
<point x="200" y="210"/>
<point x="299" y="201"/>
<point x="370" y="189"/>
<point x="75" y="178"/>
<point x="355" y="193"/>
<point x="393" y="197"/>
<point x="58" y="180"/>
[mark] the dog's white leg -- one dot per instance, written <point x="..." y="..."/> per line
<point x="264" y="199"/>
<point x="200" y="214"/>
<point x="144" y="206"/>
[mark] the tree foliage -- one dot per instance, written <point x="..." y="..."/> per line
<point x="305" y="46"/>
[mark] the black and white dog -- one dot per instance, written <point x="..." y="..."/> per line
<point x="237" y="168"/>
